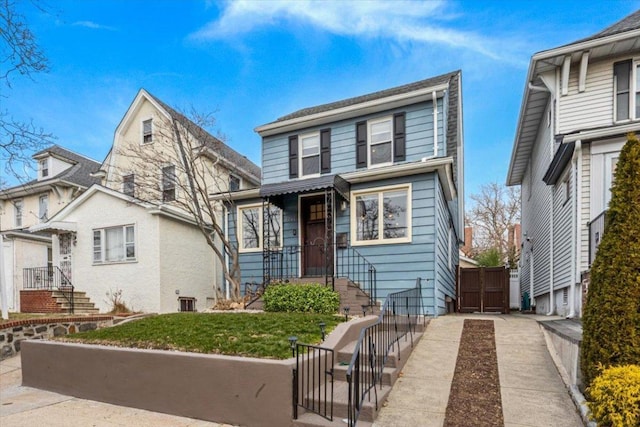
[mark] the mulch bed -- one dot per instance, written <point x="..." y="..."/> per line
<point x="475" y="392"/>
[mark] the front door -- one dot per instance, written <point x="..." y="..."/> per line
<point x="317" y="257"/>
<point x="66" y="240"/>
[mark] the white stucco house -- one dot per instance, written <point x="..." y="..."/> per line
<point x="580" y="101"/>
<point x="131" y="233"/>
<point x="62" y="175"/>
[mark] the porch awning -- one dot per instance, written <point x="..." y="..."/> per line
<point x="323" y="182"/>
<point x="55" y="227"/>
<point x="559" y="162"/>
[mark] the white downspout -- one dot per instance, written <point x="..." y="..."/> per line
<point x="531" y="299"/>
<point x="226" y="255"/>
<point x="576" y="253"/>
<point x="434" y="100"/>
<point x="3" y="282"/>
<point x="551" y="276"/>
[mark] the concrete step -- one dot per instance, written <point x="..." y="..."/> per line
<point x="309" y="419"/>
<point x="76" y="300"/>
<point x="80" y="294"/>
<point x="389" y="374"/>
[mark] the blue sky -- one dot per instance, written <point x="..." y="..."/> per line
<point x="252" y="62"/>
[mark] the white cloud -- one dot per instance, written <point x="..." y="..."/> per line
<point x="403" y="21"/>
<point x="93" y="25"/>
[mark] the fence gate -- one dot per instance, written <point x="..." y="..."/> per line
<point x="484" y="289"/>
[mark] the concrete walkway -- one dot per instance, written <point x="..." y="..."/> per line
<point x="533" y="393"/>
<point x="27" y="407"/>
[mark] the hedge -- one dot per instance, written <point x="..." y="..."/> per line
<point x="312" y="298"/>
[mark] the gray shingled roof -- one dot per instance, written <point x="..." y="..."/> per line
<point x="212" y="142"/>
<point x="434" y="81"/>
<point x="79" y="173"/>
<point x="629" y="23"/>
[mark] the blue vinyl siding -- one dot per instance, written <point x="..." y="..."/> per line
<point x="419" y="141"/>
<point x="251" y="262"/>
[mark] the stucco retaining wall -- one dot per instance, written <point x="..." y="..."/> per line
<point x="223" y="389"/>
<point x="12" y="334"/>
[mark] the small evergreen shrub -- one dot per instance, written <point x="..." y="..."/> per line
<point x="615" y="397"/>
<point x="611" y="317"/>
<point x="314" y="298"/>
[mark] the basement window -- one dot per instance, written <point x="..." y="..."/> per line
<point x="187" y="304"/>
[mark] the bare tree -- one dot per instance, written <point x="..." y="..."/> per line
<point x="20" y="55"/>
<point x="496" y="210"/>
<point x="180" y="170"/>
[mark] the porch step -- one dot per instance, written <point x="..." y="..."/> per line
<point x="309" y="419"/>
<point x="81" y="303"/>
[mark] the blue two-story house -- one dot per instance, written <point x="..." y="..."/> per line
<point x="368" y="188"/>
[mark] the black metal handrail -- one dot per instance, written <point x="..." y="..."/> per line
<point x="285" y="264"/>
<point x="50" y="278"/>
<point x="398" y="318"/>
<point x="596" y="230"/>
<point x="313" y="380"/>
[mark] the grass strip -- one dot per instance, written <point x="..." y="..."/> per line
<point x="475" y="398"/>
<point x="263" y="335"/>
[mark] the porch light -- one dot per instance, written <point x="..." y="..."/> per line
<point x="322" y="329"/>
<point x="292" y="344"/>
<point x="346" y="312"/>
<point x="364" y="310"/>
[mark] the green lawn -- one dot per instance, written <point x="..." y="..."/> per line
<point x="263" y="335"/>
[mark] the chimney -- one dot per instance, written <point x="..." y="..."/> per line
<point x="468" y="235"/>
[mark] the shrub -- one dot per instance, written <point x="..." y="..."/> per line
<point x="611" y="318"/>
<point x="615" y="396"/>
<point x="314" y="298"/>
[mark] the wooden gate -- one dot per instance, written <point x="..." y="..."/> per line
<point x="483" y="290"/>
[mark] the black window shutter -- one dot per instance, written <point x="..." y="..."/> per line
<point x="293" y="156"/>
<point x="325" y="151"/>
<point x="399" y="137"/>
<point x="361" y="145"/>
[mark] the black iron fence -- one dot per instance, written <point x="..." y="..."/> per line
<point x="326" y="261"/>
<point x="313" y="380"/>
<point x="49" y="278"/>
<point x="398" y="319"/>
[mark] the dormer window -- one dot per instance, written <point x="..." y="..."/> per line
<point x="147" y="131"/>
<point x="44" y="168"/>
<point x="234" y="183"/>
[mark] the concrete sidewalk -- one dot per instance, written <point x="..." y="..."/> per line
<point x="533" y="393"/>
<point x="27" y="407"/>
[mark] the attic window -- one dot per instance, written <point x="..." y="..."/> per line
<point x="44" y="168"/>
<point x="147" y="136"/>
<point x="234" y="183"/>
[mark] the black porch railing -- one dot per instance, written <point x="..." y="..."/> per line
<point x="398" y="318"/>
<point x="596" y="230"/>
<point x="313" y="380"/>
<point x="326" y="261"/>
<point x="49" y="278"/>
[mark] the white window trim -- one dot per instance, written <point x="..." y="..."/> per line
<point x="142" y="131"/>
<point x="44" y="164"/>
<point x="175" y="182"/>
<point x="369" y="124"/>
<point x="239" y="227"/>
<point x="380" y="240"/>
<point x="301" y="156"/>
<point x="15" y="213"/>
<point x="635" y="63"/>
<point x="124" y="242"/>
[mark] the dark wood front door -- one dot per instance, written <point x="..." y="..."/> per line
<point x="317" y="257"/>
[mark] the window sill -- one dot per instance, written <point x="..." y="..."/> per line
<point x="128" y="261"/>
<point x="381" y="242"/>
<point x="249" y="251"/>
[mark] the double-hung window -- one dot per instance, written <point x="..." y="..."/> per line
<point x="18" y="206"/>
<point x="168" y="183"/>
<point x="381" y="216"/>
<point x="43" y="208"/>
<point x="234" y="183"/>
<point x="626" y="85"/>
<point x="114" y="244"/>
<point x="147" y="131"/>
<point x="380" y="142"/>
<point x="310" y="158"/>
<point x="252" y="223"/>
<point x="44" y="168"/>
<point x="129" y="185"/>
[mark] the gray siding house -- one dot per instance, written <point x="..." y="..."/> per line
<point x="580" y="101"/>
<point x="368" y="188"/>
